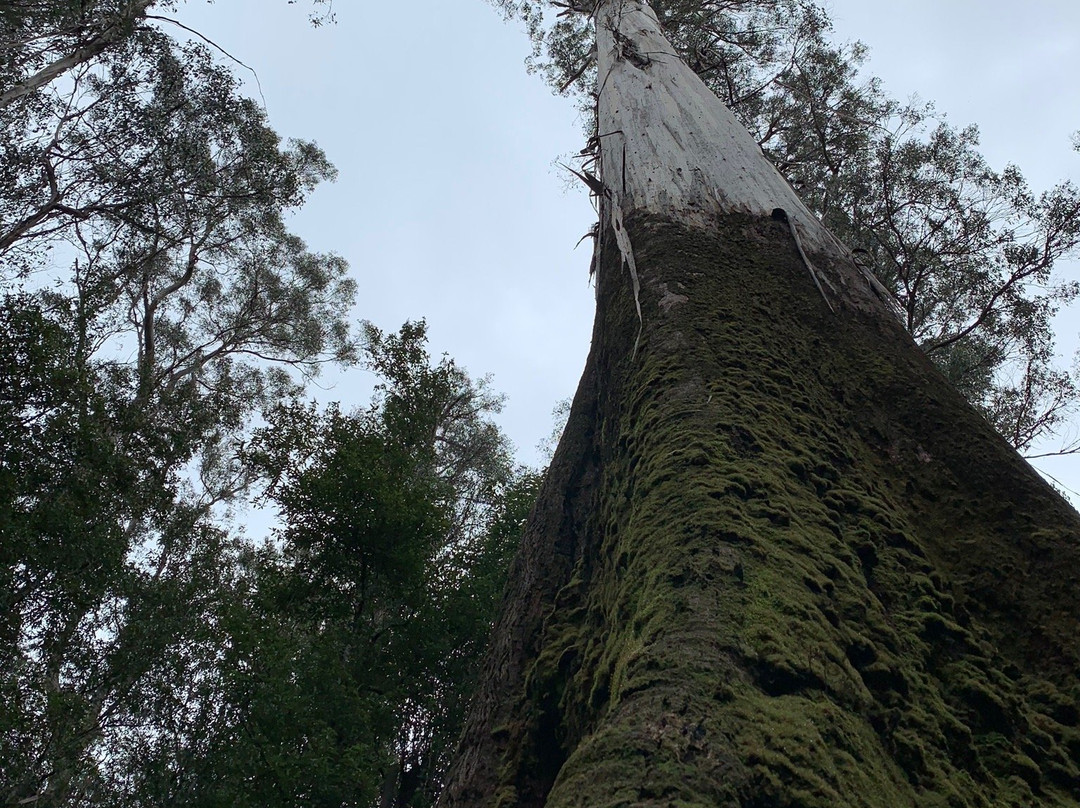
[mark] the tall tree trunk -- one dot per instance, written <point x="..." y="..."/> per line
<point x="777" y="560"/>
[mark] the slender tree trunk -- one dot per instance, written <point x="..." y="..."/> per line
<point x="777" y="560"/>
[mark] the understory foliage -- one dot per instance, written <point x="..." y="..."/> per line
<point x="171" y="662"/>
<point x="968" y="250"/>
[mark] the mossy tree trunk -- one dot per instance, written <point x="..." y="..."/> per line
<point x="777" y="560"/>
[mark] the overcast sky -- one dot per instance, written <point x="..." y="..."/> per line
<point x="449" y="205"/>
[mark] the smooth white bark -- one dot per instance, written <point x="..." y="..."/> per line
<point x="669" y="146"/>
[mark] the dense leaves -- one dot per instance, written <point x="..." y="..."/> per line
<point x="105" y="567"/>
<point x="399" y="524"/>
<point x="155" y="311"/>
<point x="331" y="664"/>
<point x="350" y="642"/>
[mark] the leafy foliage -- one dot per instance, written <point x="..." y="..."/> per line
<point x="350" y="642"/>
<point x="331" y="665"/>
<point x="399" y="524"/>
<point x="106" y="569"/>
<point x="154" y="306"/>
<point x="154" y="303"/>
<point x="41" y="41"/>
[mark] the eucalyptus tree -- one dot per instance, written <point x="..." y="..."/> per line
<point x="154" y="302"/>
<point x="43" y="40"/>
<point x="777" y="558"/>
<point x="968" y="251"/>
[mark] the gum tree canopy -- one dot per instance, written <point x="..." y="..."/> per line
<point x="778" y="560"/>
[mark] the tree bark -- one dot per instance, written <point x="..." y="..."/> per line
<point x="777" y="560"/>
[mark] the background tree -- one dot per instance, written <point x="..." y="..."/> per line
<point x="186" y="309"/>
<point x="44" y="40"/>
<point x="155" y="306"/>
<point x="347" y="645"/>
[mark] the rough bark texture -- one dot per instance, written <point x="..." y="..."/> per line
<point x="777" y="560"/>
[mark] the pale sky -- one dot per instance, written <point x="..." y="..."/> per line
<point x="449" y="205"/>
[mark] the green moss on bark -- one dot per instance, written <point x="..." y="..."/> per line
<point x="811" y="574"/>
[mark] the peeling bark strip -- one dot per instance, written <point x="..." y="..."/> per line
<point x="781" y="215"/>
<point x="777" y="560"/>
<point x="626" y="250"/>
